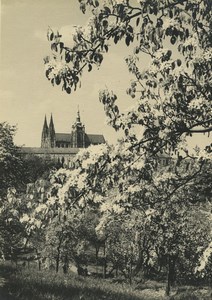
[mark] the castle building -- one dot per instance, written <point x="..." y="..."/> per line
<point x="76" y="139"/>
<point x="61" y="147"/>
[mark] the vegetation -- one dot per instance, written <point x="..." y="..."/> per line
<point x="171" y="100"/>
<point x="28" y="283"/>
<point x="140" y="210"/>
<point x="10" y="162"/>
<point x="143" y="229"/>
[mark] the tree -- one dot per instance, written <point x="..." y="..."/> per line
<point x="35" y="168"/>
<point x="172" y="97"/>
<point x="10" y="161"/>
<point x="12" y="233"/>
<point x="132" y="199"/>
<point x="171" y="100"/>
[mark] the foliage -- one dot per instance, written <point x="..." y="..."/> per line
<point x="17" y="171"/>
<point x="35" y="168"/>
<point x="152" y="207"/>
<point x="171" y="100"/>
<point x="172" y="97"/>
<point x="12" y="233"/>
<point x="147" y="216"/>
<point x="10" y="161"/>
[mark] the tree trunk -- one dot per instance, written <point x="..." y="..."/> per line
<point x="97" y="255"/>
<point x="58" y="254"/>
<point x="130" y="273"/>
<point x="105" y="263"/>
<point x="117" y="271"/>
<point x="66" y="265"/>
<point x="57" y="260"/>
<point x="39" y="265"/>
<point x="168" y="286"/>
<point x="57" y="264"/>
<point x="170" y="273"/>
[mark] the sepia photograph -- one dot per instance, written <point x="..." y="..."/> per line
<point x="105" y="150"/>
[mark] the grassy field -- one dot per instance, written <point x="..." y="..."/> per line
<point x="31" y="284"/>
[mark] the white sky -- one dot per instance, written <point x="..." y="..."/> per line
<point x="25" y="93"/>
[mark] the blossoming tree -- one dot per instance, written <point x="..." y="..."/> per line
<point x="172" y="96"/>
<point x="171" y="100"/>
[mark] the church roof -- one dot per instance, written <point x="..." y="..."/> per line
<point x="96" y="139"/>
<point x="63" y="137"/>
<point x="93" y="139"/>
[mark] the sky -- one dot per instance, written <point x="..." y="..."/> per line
<point x="25" y="93"/>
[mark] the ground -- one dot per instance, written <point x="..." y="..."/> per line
<point x="30" y="284"/>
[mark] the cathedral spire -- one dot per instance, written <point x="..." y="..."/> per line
<point x="45" y="128"/>
<point x="51" y="132"/>
<point x="78" y="133"/>
<point x="51" y="126"/>
<point x="45" y="133"/>
<point x="78" y="116"/>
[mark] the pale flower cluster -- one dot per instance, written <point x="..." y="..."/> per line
<point x="133" y="189"/>
<point x="24" y="218"/>
<point x="92" y="154"/>
<point x="168" y="22"/>
<point x="111" y="205"/>
<point x="193" y="40"/>
<point x="57" y="67"/>
<point x="106" y="206"/>
<point x="40" y="208"/>
<point x="204" y="259"/>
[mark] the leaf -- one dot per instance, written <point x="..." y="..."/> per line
<point x="137" y="21"/>
<point x="173" y="65"/>
<point x="57" y="80"/>
<point x="51" y="36"/>
<point x="89" y="67"/>
<point x="107" y="10"/>
<point x="61" y="47"/>
<point x="187" y="32"/>
<point x="47" y="73"/>
<point x="116" y="38"/>
<point x="54" y="47"/>
<point x="126" y="131"/>
<point x="67" y="57"/>
<point x="173" y="40"/>
<point x="68" y="90"/>
<point x="179" y="62"/>
<point x="130" y="29"/>
<point x="128" y="40"/>
<point x="116" y="110"/>
<point x="106" y="48"/>
<point x="105" y="23"/>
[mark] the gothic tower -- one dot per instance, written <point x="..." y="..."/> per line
<point x="78" y="133"/>
<point x="45" y="134"/>
<point x="52" y="140"/>
<point x="48" y="138"/>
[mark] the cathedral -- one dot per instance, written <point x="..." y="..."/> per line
<point x="61" y="147"/>
<point x="76" y="139"/>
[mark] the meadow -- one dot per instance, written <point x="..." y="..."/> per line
<point x="23" y="283"/>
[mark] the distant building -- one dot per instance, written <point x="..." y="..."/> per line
<point x="63" y="146"/>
